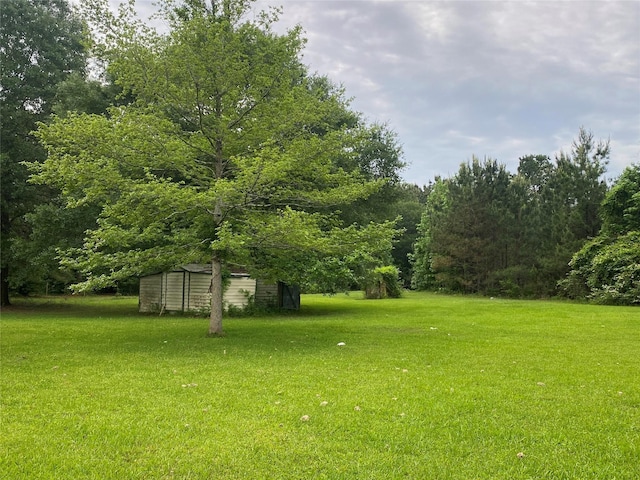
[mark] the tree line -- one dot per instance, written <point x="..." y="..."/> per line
<point x="213" y="143"/>
<point x="554" y="228"/>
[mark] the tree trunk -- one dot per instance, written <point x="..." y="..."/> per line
<point x="215" y="320"/>
<point x="4" y="286"/>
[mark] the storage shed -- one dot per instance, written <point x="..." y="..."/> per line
<point x="188" y="288"/>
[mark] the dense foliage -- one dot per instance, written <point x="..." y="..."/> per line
<point x="214" y="143"/>
<point x="488" y="231"/>
<point x="230" y="154"/>
<point x="383" y="282"/>
<point x="607" y="268"/>
<point x="41" y="45"/>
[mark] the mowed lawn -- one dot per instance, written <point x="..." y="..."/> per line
<point x="425" y="387"/>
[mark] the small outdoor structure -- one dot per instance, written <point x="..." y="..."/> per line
<point x="188" y="288"/>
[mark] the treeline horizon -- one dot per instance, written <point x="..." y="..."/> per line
<point x="268" y="168"/>
<point x="553" y="228"/>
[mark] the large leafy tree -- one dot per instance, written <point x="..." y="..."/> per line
<point x="377" y="154"/>
<point x="228" y="154"/>
<point x="40" y="46"/>
<point x="607" y="268"/>
<point x="49" y="227"/>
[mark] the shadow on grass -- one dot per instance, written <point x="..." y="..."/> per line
<point x="101" y="306"/>
<point x="108" y="325"/>
<point x="71" y="306"/>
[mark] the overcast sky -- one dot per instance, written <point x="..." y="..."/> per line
<point x="499" y="79"/>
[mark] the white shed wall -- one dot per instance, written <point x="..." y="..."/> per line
<point x="184" y="291"/>
<point x="197" y="292"/>
<point x="240" y="288"/>
<point x="150" y="297"/>
<point x="172" y="291"/>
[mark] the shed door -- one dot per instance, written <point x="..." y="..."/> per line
<point x="289" y="296"/>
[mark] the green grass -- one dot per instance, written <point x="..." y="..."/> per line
<point x="427" y="387"/>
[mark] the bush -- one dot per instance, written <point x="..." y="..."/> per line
<point x="383" y="282"/>
<point x="607" y="271"/>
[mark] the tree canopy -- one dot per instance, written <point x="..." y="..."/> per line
<point x="607" y="268"/>
<point x="228" y="152"/>
<point x="41" y="45"/>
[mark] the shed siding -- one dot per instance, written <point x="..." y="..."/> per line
<point x="188" y="290"/>
<point x="150" y="299"/>
<point x="173" y="283"/>
<point x="266" y="293"/>
<point x="239" y="290"/>
<point x="198" y="294"/>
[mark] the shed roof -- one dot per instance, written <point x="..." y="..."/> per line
<point x="194" y="268"/>
<point x="204" y="268"/>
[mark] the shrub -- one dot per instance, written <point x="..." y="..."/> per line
<point x="607" y="271"/>
<point x="383" y="282"/>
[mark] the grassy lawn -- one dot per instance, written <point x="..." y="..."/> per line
<point x="426" y="387"/>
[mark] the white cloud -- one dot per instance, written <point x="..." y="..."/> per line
<point x="500" y="79"/>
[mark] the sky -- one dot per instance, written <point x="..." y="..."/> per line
<point x="492" y="79"/>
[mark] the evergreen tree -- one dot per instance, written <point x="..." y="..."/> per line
<point x="487" y="231"/>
